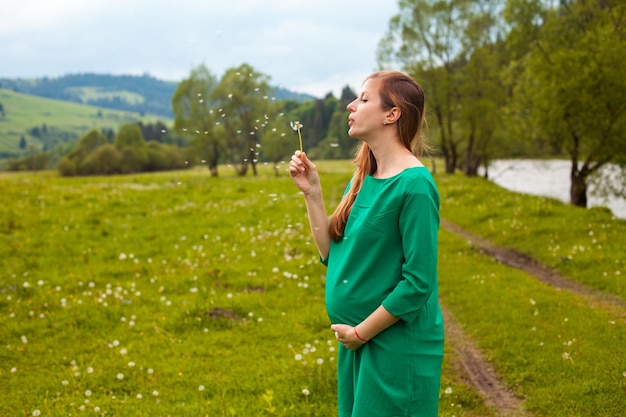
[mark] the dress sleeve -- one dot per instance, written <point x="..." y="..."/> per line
<point x="419" y="227"/>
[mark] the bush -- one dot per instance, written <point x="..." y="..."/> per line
<point x="66" y="167"/>
<point x="133" y="160"/>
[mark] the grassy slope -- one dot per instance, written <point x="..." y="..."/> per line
<point x="95" y="93"/>
<point x="24" y="112"/>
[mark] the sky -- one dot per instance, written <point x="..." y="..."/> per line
<point x="308" y="46"/>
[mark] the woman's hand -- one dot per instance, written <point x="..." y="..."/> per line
<point x="304" y="173"/>
<point x="346" y="335"/>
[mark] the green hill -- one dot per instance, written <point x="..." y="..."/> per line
<point x="142" y="94"/>
<point x="45" y="123"/>
<point x="139" y="94"/>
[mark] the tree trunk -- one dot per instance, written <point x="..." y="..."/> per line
<point x="433" y="163"/>
<point x="472" y="161"/>
<point x="448" y="148"/>
<point x="578" y="187"/>
<point x="471" y="165"/>
<point x="450" y="159"/>
<point x="213" y="170"/>
<point x="243" y="170"/>
<point x="215" y="159"/>
<point x="252" y="159"/>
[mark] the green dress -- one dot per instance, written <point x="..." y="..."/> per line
<point x="388" y="256"/>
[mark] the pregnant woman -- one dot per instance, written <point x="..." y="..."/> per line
<point x="380" y="249"/>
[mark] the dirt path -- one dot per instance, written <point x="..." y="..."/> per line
<point x="478" y="372"/>
<point x="549" y="276"/>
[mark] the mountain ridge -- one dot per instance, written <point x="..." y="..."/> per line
<point x="143" y="94"/>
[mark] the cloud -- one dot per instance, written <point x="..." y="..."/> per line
<point x="310" y="46"/>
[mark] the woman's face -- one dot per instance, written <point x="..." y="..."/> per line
<point x="366" y="112"/>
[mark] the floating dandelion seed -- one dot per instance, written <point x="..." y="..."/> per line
<point x="297" y="126"/>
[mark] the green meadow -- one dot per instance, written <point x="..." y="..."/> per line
<point x="179" y="294"/>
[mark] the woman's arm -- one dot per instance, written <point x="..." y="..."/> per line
<point x="355" y="337"/>
<point x="305" y="176"/>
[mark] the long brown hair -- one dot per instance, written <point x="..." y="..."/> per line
<point x="396" y="90"/>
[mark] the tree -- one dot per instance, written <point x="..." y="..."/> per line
<point x="278" y="142"/>
<point x="87" y="144"/>
<point x="130" y="142"/>
<point x="481" y="96"/>
<point x="571" y="91"/>
<point x="129" y="135"/>
<point x="243" y="96"/>
<point x="23" y="143"/>
<point x="451" y="47"/>
<point x="338" y="144"/>
<point x="426" y="37"/>
<point x="193" y="104"/>
<point x="105" y="160"/>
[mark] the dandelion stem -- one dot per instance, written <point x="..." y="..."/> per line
<point x="297" y="126"/>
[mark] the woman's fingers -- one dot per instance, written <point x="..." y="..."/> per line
<point x="297" y="164"/>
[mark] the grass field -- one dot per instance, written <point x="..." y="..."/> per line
<point x="184" y="295"/>
<point x="24" y="112"/>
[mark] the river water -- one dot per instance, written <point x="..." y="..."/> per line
<point x="548" y="178"/>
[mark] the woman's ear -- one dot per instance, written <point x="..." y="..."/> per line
<point x="392" y="116"/>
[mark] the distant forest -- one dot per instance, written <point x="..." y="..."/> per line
<point x="157" y="94"/>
